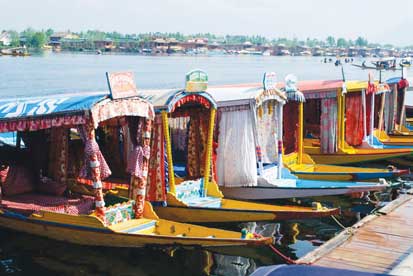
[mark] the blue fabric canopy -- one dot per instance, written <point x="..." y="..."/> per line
<point x="393" y="80"/>
<point x="46" y="105"/>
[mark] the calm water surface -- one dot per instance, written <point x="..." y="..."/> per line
<point x="51" y="73"/>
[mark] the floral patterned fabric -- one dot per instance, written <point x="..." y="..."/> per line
<point x="197" y="144"/>
<point x="118" y="108"/>
<point x="138" y="161"/>
<point x="354" y="119"/>
<point x="156" y="187"/>
<point x="328" y="125"/>
<point x="30" y="203"/>
<point x="59" y="154"/>
<point x="43" y="123"/>
<point x="267" y="128"/>
<point x="94" y="167"/>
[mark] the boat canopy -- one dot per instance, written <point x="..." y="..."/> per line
<point x="169" y="100"/>
<point x="356" y="86"/>
<point x="35" y="113"/>
<point x="320" y="89"/>
<point x="396" y="80"/>
<point x="243" y="94"/>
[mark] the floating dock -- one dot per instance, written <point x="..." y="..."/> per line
<point x="380" y="243"/>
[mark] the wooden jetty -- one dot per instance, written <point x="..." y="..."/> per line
<point x="379" y="243"/>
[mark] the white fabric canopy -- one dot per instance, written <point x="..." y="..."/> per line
<point x="236" y="162"/>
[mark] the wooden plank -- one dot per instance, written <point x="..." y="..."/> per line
<point x="384" y="247"/>
<point x="377" y="243"/>
<point x="379" y="252"/>
<point x="369" y="256"/>
<point x="355" y="257"/>
<point x="339" y="263"/>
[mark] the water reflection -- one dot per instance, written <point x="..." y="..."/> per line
<point x="21" y="254"/>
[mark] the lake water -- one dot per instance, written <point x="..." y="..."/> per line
<point x="51" y="73"/>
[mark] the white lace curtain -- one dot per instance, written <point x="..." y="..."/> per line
<point x="267" y="128"/>
<point x="236" y="161"/>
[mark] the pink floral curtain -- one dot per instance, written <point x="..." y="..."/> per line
<point x="94" y="167"/>
<point x="156" y="189"/>
<point x="328" y="125"/>
<point x="140" y="136"/>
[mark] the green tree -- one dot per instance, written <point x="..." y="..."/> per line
<point x="49" y="32"/>
<point x="361" y="42"/>
<point x="331" y="41"/>
<point x="15" y="40"/>
<point x="37" y="40"/>
<point x="341" y="42"/>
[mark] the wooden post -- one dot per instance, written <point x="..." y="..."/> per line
<point x="208" y="155"/>
<point x="402" y="110"/>
<point x="343" y="121"/>
<point x="171" y="174"/>
<point x="300" y="132"/>
<point x="372" y="102"/>
<point x="363" y="100"/>
<point x="381" y="114"/>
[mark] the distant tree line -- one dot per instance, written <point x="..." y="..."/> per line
<point x="36" y="39"/>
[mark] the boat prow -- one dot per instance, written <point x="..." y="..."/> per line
<point x="230" y="210"/>
<point x="303" y="188"/>
<point x="89" y="230"/>
<point x="308" y="169"/>
<point x="350" y="155"/>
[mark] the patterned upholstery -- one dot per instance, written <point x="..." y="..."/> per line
<point x="190" y="192"/>
<point x="30" y="203"/>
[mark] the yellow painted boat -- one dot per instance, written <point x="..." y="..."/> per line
<point x="305" y="157"/>
<point x="343" y="153"/>
<point x="348" y="154"/>
<point x="185" y="122"/>
<point x="249" y="130"/>
<point x="392" y="131"/>
<point x="90" y="230"/>
<point x="56" y="206"/>
<point x="308" y="169"/>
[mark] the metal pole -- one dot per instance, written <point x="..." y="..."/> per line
<point x="280" y="141"/>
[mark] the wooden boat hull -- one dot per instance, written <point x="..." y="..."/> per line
<point x="308" y="170"/>
<point x="257" y="193"/>
<point x="338" y="173"/>
<point x="240" y="211"/>
<point x="359" y="156"/>
<point x="100" y="236"/>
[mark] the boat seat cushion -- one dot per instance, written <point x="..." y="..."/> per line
<point x="19" y="180"/>
<point x="207" y="201"/>
<point x="31" y="203"/>
<point x="190" y="192"/>
<point x="51" y="187"/>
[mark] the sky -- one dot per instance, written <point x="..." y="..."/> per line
<point x="379" y="21"/>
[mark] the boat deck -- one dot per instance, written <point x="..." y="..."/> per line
<point x="378" y="243"/>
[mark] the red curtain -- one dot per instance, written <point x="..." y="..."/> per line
<point x="156" y="190"/>
<point x="290" y="127"/>
<point x="354" y="119"/>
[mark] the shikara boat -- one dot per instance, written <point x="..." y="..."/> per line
<point x="250" y="131"/>
<point x="318" y="118"/>
<point x="392" y="130"/>
<point x="41" y="174"/>
<point x="346" y="115"/>
<point x="185" y="159"/>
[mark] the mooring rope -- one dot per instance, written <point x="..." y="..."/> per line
<point x="338" y="222"/>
